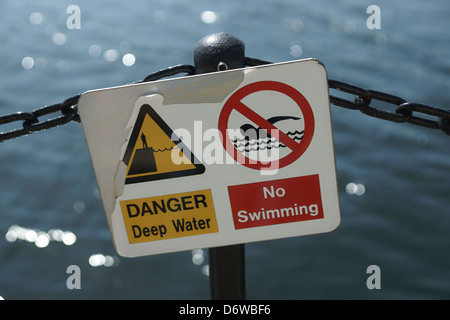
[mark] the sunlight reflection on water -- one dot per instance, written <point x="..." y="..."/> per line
<point x="40" y="238"/>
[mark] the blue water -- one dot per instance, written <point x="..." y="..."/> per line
<point x="393" y="178"/>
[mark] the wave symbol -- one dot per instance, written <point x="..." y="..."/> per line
<point x="245" y="144"/>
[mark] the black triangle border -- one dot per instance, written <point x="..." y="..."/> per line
<point x="147" y="109"/>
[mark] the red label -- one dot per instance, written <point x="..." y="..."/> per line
<point x="274" y="202"/>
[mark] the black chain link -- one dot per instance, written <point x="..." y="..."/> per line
<point x="403" y="111"/>
<point x="31" y="122"/>
<point x="67" y="110"/>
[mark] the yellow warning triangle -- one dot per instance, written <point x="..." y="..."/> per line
<point x="154" y="152"/>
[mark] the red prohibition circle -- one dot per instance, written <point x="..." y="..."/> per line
<point x="234" y="103"/>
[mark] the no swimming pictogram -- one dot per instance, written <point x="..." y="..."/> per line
<point x="268" y="117"/>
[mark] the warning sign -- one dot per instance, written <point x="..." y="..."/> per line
<point x="215" y="159"/>
<point x="154" y="152"/>
<point x="169" y="216"/>
<point x="266" y="133"/>
<point x="276" y="202"/>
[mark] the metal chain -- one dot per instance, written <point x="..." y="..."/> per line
<point x="67" y="110"/>
<point x="362" y="98"/>
<point x="404" y="111"/>
<point x="31" y="123"/>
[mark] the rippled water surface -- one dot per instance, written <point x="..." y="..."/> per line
<point x="393" y="178"/>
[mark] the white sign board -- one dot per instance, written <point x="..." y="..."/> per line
<point x="216" y="159"/>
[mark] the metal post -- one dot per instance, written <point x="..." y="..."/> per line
<point x="219" y="52"/>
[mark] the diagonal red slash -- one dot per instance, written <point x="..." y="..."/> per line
<point x="266" y="125"/>
<point x="234" y="102"/>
